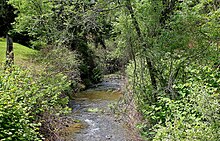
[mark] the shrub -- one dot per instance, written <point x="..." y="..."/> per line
<point x="24" y="99"/>
<point x="62" y="60"/>
<point x="195" y="117"/>
<point x="192" y="115"/>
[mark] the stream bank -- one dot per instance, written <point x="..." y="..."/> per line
<point x="92" y="108"/>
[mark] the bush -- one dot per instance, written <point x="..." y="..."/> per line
<point x="62" y="60"/>
<point x="193" y="114"/>
<point x="111" y="59"/>
<point x="24" y="99"/>
<point x="196" y="115"/>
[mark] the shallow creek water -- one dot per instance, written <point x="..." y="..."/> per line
<point x="92" y="109"/>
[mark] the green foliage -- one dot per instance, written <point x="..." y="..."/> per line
<point x="24" y="98"/>
<point x="111" y="59"/>
<point x="90" y="71"/>
<point x="97" y="74"/>
<point x="173" y="48"/>
<point x="59" y="60"/>
<point x="57" y="22"/>
<point x="34" y="17"/>
<point x="61" y="23"/>
<point x="183" y="53"/>
<point x="192" y="115"/>
<point x="196" y="116"/>
<point x="62" y="60"/>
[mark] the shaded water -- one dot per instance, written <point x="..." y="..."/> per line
<point x="74" y="128"/>
<point x="96" y="122"/>
<point x="92" y="95"/>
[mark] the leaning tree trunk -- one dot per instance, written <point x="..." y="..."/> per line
<point x="150" y="65"/>
<point x="9" y="51"/>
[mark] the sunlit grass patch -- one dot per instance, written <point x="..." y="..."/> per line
<point x="21" y="53"/>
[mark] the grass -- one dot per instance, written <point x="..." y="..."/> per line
<point x="22" y="54"/>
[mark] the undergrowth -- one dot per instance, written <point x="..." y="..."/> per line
<point x="34" y="98"/>
<point x="193" y="114"/>
<point x="25" y="99"/>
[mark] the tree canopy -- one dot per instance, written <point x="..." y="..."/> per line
<point x="167" y="49"/>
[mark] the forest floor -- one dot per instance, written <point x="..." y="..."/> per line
<point x="93" y="109"/>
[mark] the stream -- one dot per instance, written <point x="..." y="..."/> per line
<point x="92" y="109"/>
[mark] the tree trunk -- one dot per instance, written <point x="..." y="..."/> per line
<point x="150" y="65"/>
<point x="9" y="51"/>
